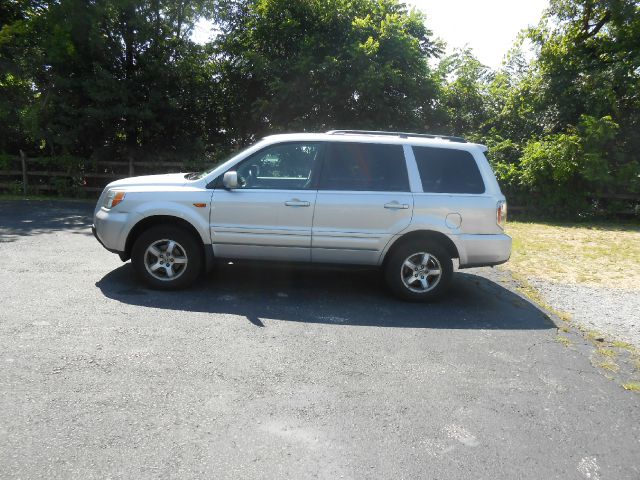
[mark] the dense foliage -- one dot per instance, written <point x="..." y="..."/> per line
<point x="563" y="127"/>
<point x="122" y="79"/>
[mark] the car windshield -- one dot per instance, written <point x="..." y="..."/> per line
<point x="204" y="173"/>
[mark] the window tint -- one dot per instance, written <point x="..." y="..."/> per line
<point x="445" y="170"/>
<point x="287" y="166"/>
<point x="364" y="166"/>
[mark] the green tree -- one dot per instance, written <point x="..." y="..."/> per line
<point x="110" y="77"/>
<point x="562" y="127"/>
<point x="588" y="75"/>
<point x="322" y="64"/>
<point x="464" y="95"/>
<point x="15" y="86"/>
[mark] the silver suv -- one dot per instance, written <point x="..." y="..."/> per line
<point x="407" y="203"/>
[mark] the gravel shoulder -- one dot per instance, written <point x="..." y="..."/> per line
<point x="588" y="270"/>
<point x="610" y="311"/>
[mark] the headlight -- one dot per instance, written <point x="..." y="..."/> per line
<point x="114" y="197"/>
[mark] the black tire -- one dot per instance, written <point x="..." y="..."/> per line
<point x="187" y="246"/>
<point x="395" y="270"/>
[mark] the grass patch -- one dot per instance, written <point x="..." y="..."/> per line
<point x="563" y="340"/>
<point x="608" y="365"/>
<point x="597" y="254"/>
<point x="605" y="352"/>
<point x="592" y="335"/>
<point x="632" y="386"/>
<point x="623" y="345"/>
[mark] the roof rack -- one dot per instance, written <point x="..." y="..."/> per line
<point x="396" y="134"/>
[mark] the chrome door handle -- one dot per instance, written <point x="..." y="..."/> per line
<point x="296" y="203"/>
<point x="396" y="206"/>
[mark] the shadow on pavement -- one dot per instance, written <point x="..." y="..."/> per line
<point x="33" y="217"/>
<point x="349" y="297"/>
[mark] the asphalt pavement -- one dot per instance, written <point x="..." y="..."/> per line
<point x="273" y="372"/>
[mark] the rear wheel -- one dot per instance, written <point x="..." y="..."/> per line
<point x="419" y="271"/>
<point x="167" y="257"/>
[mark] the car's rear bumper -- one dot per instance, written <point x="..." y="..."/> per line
<point x="483" y="250"/>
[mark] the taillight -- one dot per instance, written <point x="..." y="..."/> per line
<point x="501" y="213"/>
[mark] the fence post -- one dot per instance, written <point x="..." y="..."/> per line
<point x="23" y="160"/>
<point x="131" y="165"/>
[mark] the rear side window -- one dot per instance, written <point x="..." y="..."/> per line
<point x="364" y="167"/>
<point x="445" y="170"/>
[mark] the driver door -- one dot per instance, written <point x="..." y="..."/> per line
<point x="269" y="215"/>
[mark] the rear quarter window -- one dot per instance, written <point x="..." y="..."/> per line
<point x="445" y="170"/>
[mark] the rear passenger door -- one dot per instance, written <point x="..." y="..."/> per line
<point x="363" y="200"/>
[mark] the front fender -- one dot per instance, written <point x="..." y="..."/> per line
<point x="191" y="206"/>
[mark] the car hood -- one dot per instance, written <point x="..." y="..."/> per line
<point x="170" y="179"/>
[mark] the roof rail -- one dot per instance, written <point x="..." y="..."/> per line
<point x="396" y="134"/>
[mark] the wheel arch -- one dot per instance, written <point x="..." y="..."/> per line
<point x="155" y="220"/>
<point x="422" y="235"/>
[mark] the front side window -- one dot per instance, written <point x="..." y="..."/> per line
<point x="364" y="167"/>
<point x="288" y="166"/>
<point x="446" y="170"/>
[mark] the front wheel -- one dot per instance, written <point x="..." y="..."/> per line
<point x="419" y="272"/>
<point x="167" y="258"/>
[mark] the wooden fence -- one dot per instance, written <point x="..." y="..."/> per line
<point x="28" y="176"/>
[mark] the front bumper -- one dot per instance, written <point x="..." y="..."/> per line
<point x="111" y="228"/>
<point x="93" y="230"/>
<point x="483" y="250"/>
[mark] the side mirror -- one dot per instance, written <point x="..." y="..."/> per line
<point x="230" y="180"/>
